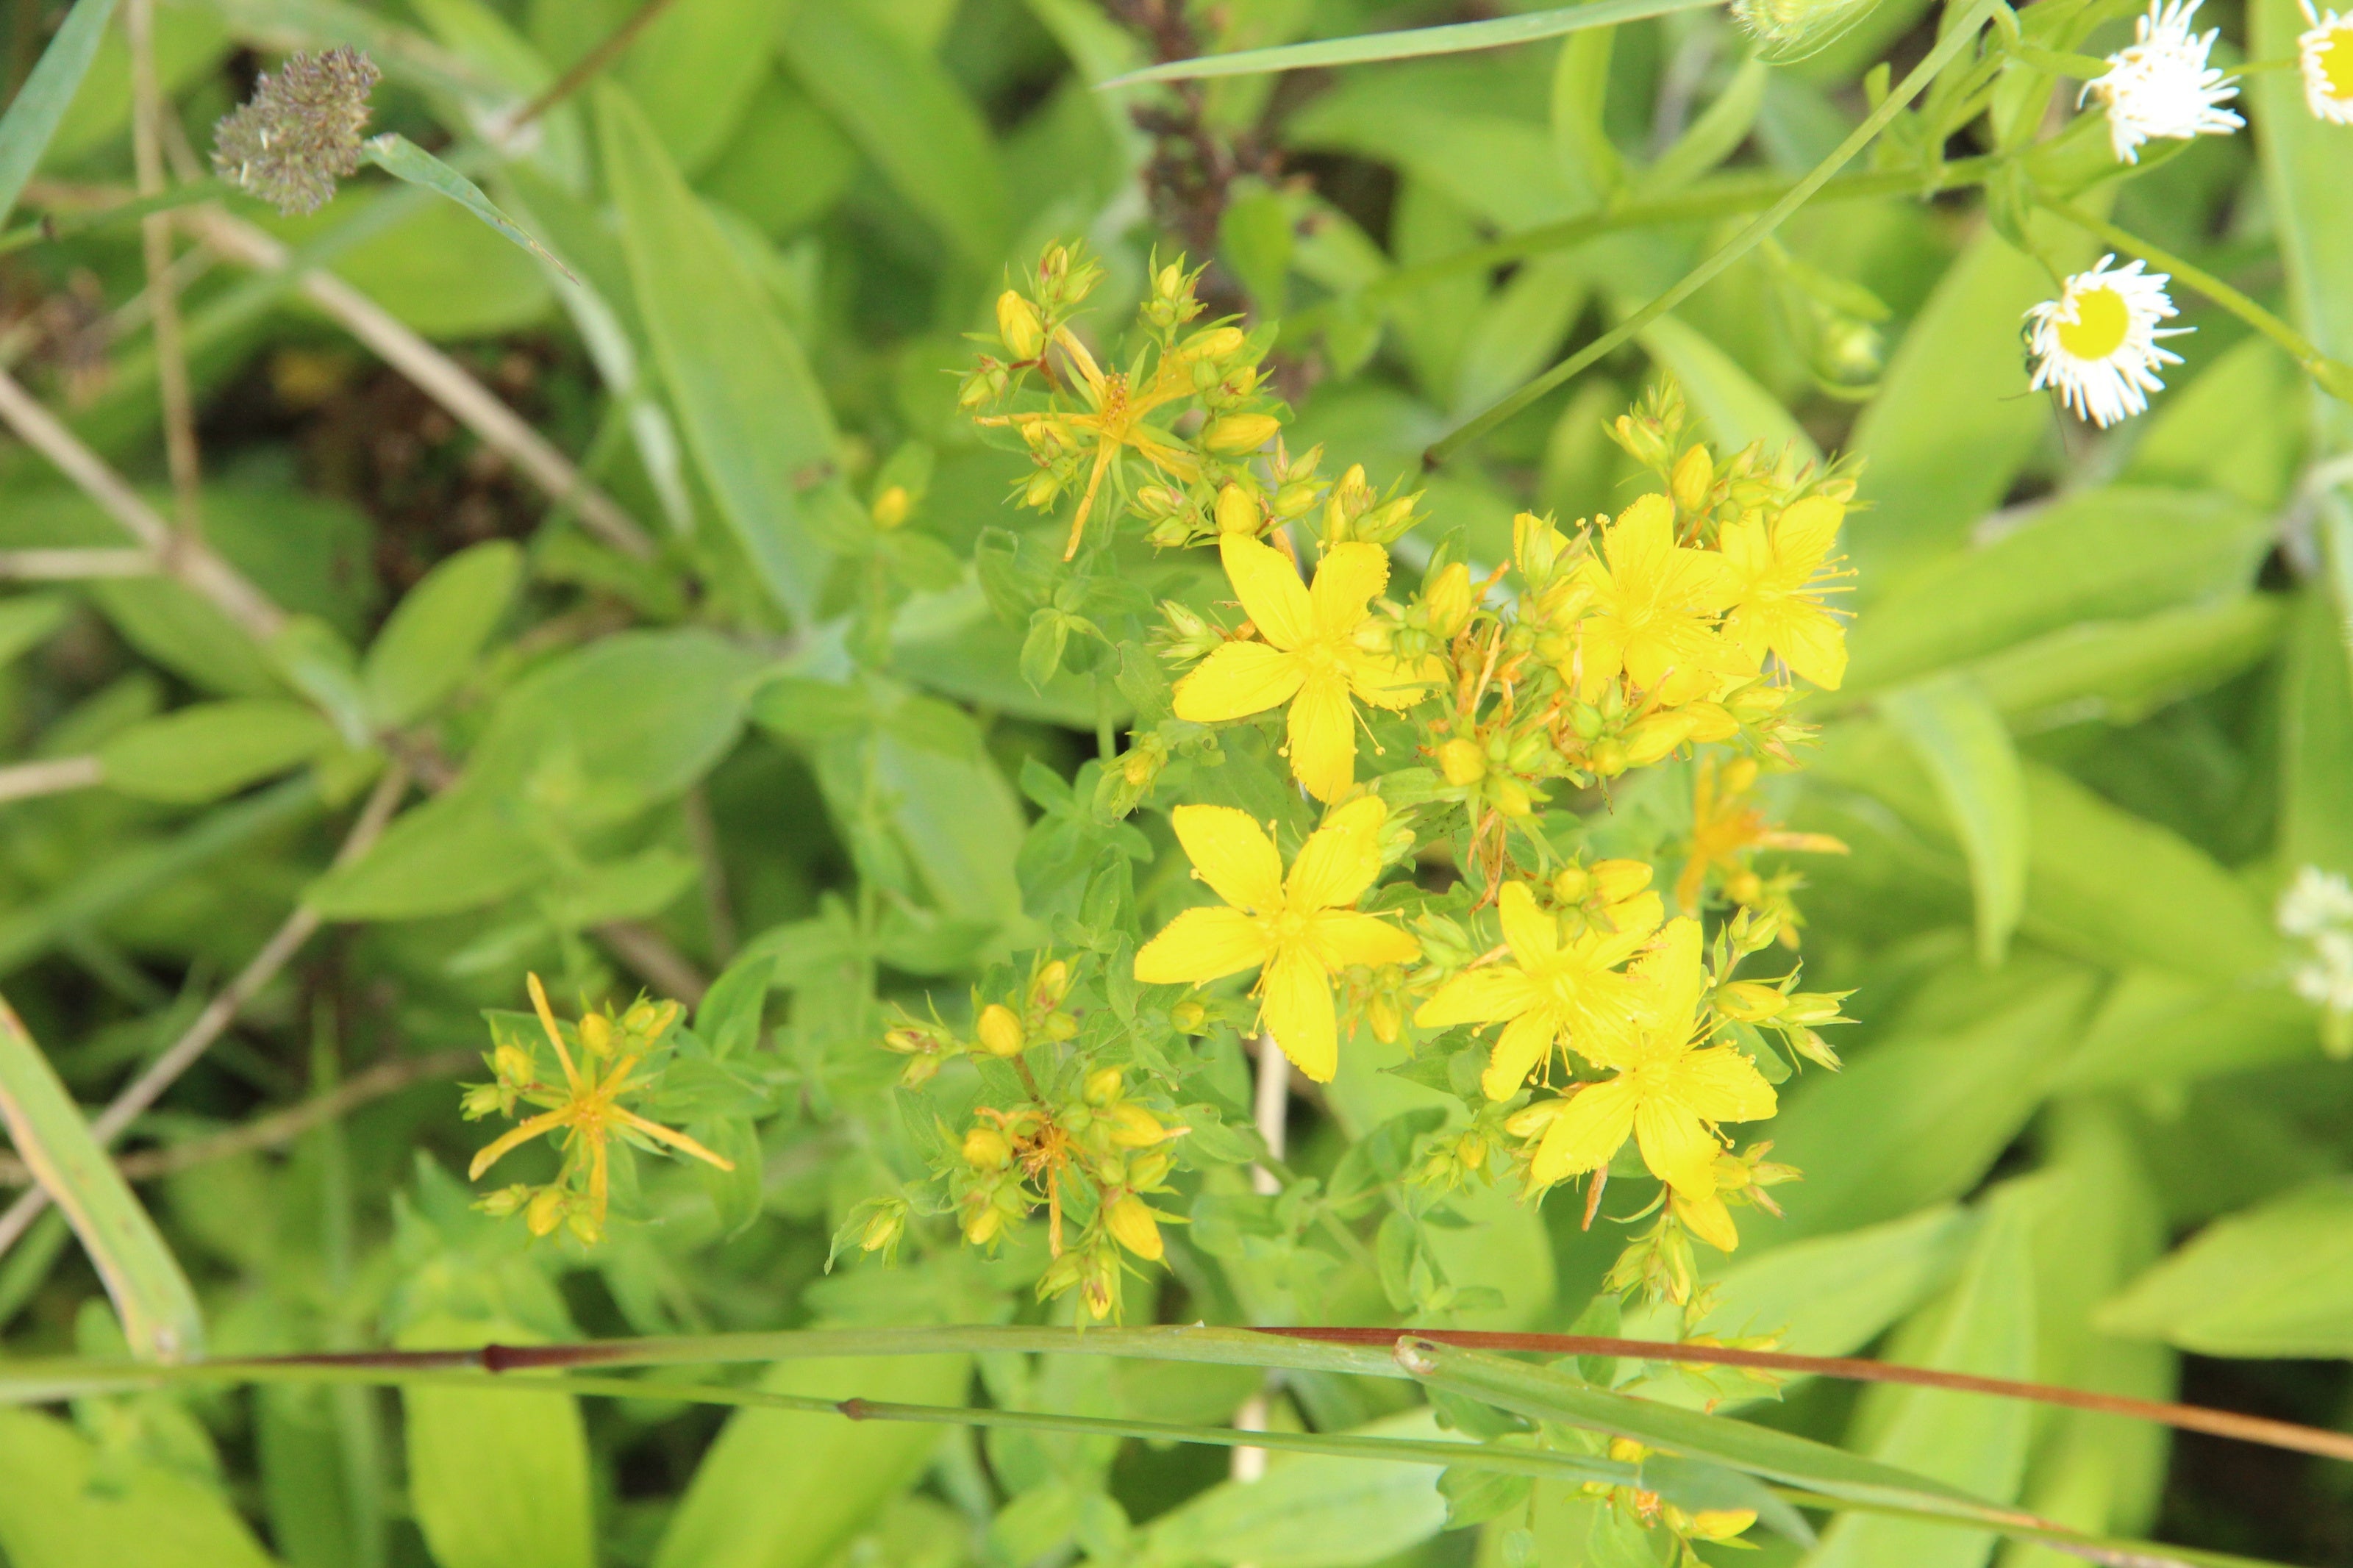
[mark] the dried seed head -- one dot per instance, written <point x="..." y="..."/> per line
<point x="301" y="132"/>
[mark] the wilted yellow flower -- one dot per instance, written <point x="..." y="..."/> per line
<point x="1555" y="989"/>
<point x="1779" y="576"/>
<point x="1653" y="605"/>
<point x="1311" y="657"/>
<point x="1295" y="932"/>
<point x="1669" y="1093"/>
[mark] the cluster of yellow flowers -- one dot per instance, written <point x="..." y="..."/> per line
<point x="1673" y="630"/>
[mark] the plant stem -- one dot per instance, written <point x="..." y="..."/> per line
<point x="589" y="64"/>
<point x="54" y="227"/>
<point x="1963" y="35"/>
<point x="56" y="776"/>
<point x="73" y="565"/>
<point x="147" y="110"/>
<point x="2333" y="376"/>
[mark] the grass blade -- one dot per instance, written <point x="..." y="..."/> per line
<point x="32" y="119"/>
<point x="151" y="1294"/>
<point x="404" y="160"/>
<point x="1962" y="741"/>
<point x="1411" y="43"/>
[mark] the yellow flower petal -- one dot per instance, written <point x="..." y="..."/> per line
<point x="1270" y="589"/>
<point x="1383" y="681"/>
<point x="1201" y="945"/>
<point x="1236" y="680"/>
<point x="1675" y="1143"/>
<point x="1233" y="853"/>
<point x="1296" y="1008"/>
<point x="1350" y="575"/>
<point x="1812" y="642"/>
<point x="1671" y="973"/>
<point x="1339" y="938"/>
<point x="1519" y="1051"/>
<point x="1481" y="996"/>
<point x="1340" y="859"/>
<point x="1707" y="1218"/>
<point x="1323" y="737"/>
<point x="1805" y="532"/>
<point x="1588" y="1134"/>
<point x="1533" y="935"/>
<point x="1723" y="1085"/>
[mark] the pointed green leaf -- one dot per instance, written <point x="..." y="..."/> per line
<point x="1959" y="738"/>
<point x="33" y="114"/>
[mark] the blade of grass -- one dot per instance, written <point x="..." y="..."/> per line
<point x="1962" y="35"/>
<point x="404" y="160"/>
<point x="1410" y="43"/>
<point x="151" y="1294"/>
<point x="33" y="117"/>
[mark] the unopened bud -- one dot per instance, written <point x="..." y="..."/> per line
<point x="1053" y="983"/>
<point x="1512" y="797"/>
<point x="1103" y="1085"/>
<point x="1694" y="477"/>
<point x="1041" y="490"/>
<point x="1234" y="433"/>
<point x="1617" y="881"/>
<point x="595" y="1033"/>
<point x="1537" y="545"/>
<point x="1531" y="1121"/>
<point x="1132" y="1127"/>
<point x="1132" y="1226"/>
<point x="545" y="1211"/>
<point x="1571" y="884"/>
<point x="1217" y="343"/>
<point x="1018" y="326"/>
<point x="1000" y="1031"/>
<point x="986" y="1149"/>
<point x="983" y="1224"/>
<point x="1447" y="599"/>
<point x="1147" y="1171"/>
<point x="1654" y="737"/>
<point x="1462" y="761"/>
<point x="1750" y="1001"/>
<point x="892" y="507"/>
<point x="1189" y="1017"/>
<point x="1236" y="512"/>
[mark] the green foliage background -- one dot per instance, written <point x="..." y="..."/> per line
<point x="2099" y="714"/>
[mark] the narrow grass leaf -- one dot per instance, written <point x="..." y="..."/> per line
<point x="33" y="116"/>
<point x="1411" y="43"/>
<point x="151" y="1294"/>
<point x="404" y="160"/>
<point x="1958" y="737"/>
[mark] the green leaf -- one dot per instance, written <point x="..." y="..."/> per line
<point x="1921" y="1118"/>
<point x="911" y="117"/>
<point x="33" y="114"/>
<point x="1411" y="43"/>
<point x="754" y="415"/>
<point x="2304" y="160"/>
<point x="1959" y="738"/>
<point x="2122" y="672"/>
<point x="404" y="160"/>
<point x="2274" y="1281"/>
<point x="1948" y="430"/>
<point x="430" y="643"/>
<point x="209" y="750"/>
<point x="498" y="1479"/>
<point x="2316" y="738"/>
<point x="695" y="70"/>
<point x="26" y="621"/>
<point x="1736" y="409"/>
<point x="461" y="851"/>
<point x="68" y="1504"/>
<point x="1986" y="1327"/>
<point x="151" y="1295"/>
<point x="1310" y="1511"/>
<point x="786" y="1489"/>
<point x="2103" y="554"/>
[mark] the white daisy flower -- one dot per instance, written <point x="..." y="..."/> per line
<point x="2097" y="342"/>
<point x="2316" y="902"/>
<point x="2160" y="85"/>
<point x="2325" y="53"/>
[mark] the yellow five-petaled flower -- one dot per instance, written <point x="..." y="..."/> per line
<point x="1669" y="1093"/>
<point x="1654" y="604"/>
<point x="1295" y="930"/>
<point x="1552" y="990"/>
<point x="1311" y="657"/>
<point x="1779" y="576"/>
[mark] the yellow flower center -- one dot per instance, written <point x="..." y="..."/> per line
<point x="2100" y="324"/>
<point x="1321" y="654"/>
<point x="2335" y="53"/>
<point x="1288" y="927"/>
<point x="1653" y="1078"/>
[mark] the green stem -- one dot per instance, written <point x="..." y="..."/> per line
<point x="2332" y="376"/>
<point x="60" y="226"/>
<point x="1962" y="37"/>
<point x="2083" y="68"/>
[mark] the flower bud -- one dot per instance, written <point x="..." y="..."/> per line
<point x="1387" y="1019"/>
<point x="1462" y="761"/>
<point x="1104" y="1086"/>
<point x="1814" y="1006"/>
<point x="1385" y="524"/>
<point x="983" y="1224"/>
<point x="1132" y="1127"/>
<point x="1759" y="701"/>
<point x="1294" y="500"/>
<point x="1652" y="738"/>
<point x="513" y="1065"/>
<point x="504" y="1202"/>
<point x="1720" y="1523"/>
<point x="1189" y="1017"/>
<point x="1237" y="513"/>
<point x="545" y="1211"/>
<point x="1618" y="880"/>
<point x="1018" y="326"/>
<point x="595" y="1033"/>
<point x="1537" y="545"/>
<point x="1215" y="343"/>
<point x="1000" y="1031"/>
<point x="1571" y="884"/>
<point x="482" y="1100"/>
<point x="1132" y="1226"/>
<point x="1694" y="477"/>
<point x="1750" y="1001"/>
<point x="892" y="507"/>
<point x="1743" y="888"/>
<point x="1147" y="1171"/>
<point x="1531" y="1121"/>
<point x="1234" y="433"/>
<point x="1041" y="490"/>
<point x="884" y="1229"/>
<point x="1447" y="599"/>
<point x="986" y="1149"/>
<point x="1608" y="758"/>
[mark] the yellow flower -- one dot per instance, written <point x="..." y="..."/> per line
<point x="1726" y="826"/>
<point x="1653" y="605"/>
<point x="1555" y="989"/>
<point x="1781" y="576"/>
<point x="1295" y="932"/>
<point x="1311" y="657"/>
<point x="586" y="1109"/>
<point x="1114" y="419"/>
<point x="1669" y="1093"/>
